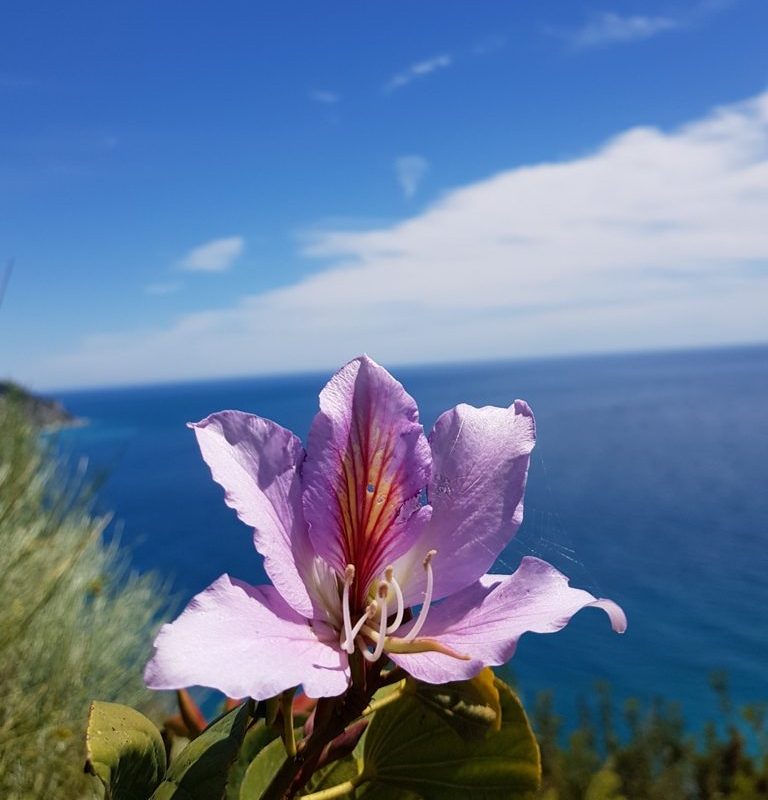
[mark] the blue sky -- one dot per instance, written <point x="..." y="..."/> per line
<point x="193" y="189"/>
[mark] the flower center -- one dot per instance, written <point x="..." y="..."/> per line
<point x="368" y="630"/>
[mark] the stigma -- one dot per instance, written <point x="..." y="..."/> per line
<point x="373" y="634"/>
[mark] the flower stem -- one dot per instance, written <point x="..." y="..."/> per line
<point x="336" y="791"/>
<point x="332" y="716"/>
<point x="289" y="737"/>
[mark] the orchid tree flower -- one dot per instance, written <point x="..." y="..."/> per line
<point x="377" y="541"/>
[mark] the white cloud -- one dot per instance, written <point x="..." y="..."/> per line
<point x="418" y="70"/>
<point x="656" y="239"/>
<point x="214" y="256"/>
<point x="410" y="171"/>
<point x="325" y="97"/>
<point x="609" y="27"/>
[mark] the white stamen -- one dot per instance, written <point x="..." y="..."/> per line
<point x="389" y="574"/>
<point x="370" y="612"/>
<point x="379" y="649"/>
<point x="349" y="639"/>
<point x="422" y="618"/>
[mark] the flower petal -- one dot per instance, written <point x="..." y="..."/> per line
<point x="485" y="620"/>
<point x="367" y="462"/>
<point x="246" y="641"/>
<point x="257" y="462"/>
<point x="480" y="462"/>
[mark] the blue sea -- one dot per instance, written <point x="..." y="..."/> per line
<point x="648" y="485"/>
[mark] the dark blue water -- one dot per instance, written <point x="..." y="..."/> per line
<point x="649" y="485"/>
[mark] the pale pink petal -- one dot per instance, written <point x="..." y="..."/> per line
<point x="258" y="462"/>
<point x="485" y="620"/>
<point x="367" y="461"/>
<point x="480" y="462"/>
<point x="246" y="641"/>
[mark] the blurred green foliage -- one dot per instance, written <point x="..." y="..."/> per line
<point x="637" y="753"/>
<point x="75" y="623"/>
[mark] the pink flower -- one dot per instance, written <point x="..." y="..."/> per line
<point x="357" y="562"/>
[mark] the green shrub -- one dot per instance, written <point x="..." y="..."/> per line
<point x="655" y="758"/>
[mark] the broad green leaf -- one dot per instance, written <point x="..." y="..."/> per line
<point x="256" y="739"/>
<point x="200" y="771"/>
<point x="471" y="707"/>
<point x="262" y="769"/>
<point x="410" y="746"/>
<point x="124" y="750"/>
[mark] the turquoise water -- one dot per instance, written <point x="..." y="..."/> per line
<point x="649" y="485"/>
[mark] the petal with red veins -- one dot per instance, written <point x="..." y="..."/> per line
<point x="367" y="461"/>
<point x="480" y="460"/>
<point x="485" y="620"/>
<point x="246" y="641"/>
<point x="258" y="462"/>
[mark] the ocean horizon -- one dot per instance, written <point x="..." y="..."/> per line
<point x="647" y="485"/>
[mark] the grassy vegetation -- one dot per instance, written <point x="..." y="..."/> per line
<point x="75" y="624"/>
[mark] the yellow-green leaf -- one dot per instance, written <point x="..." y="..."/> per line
<point x="124" y="750"/>
<point x="472" y="707"/>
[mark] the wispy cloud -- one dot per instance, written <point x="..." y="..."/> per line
<point x="214" y="256"/>
<point x="158" y="289"/>
<point x="655" y="239"/>
<point x="418" y="70"/>
<point x="325" y="97"/>
<point x="609" y="27"/>
<point x="410" y="171"/>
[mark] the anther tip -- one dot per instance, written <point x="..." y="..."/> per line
<point x="389" y="573"/>
<point x="349" y="572"/>
<point x="383" y="590"/>
<point x="428" y="557"/>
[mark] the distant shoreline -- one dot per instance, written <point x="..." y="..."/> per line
<point x="46" y="413"/>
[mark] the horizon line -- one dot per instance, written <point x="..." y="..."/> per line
<point x="52" y="391"/>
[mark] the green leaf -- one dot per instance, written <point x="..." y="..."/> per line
<point x="259" y="774"/>
<point x="262" y="769"/>
<point x="256" y="739"/>
<point x="124" y="750"/>
<point x="200" y="771"/>
<point x="413" y="750"/>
